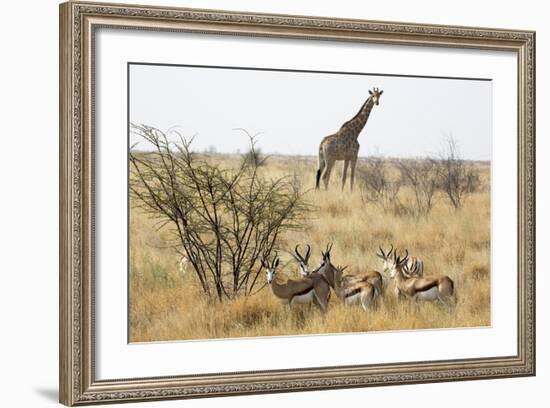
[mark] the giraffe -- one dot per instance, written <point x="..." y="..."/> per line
<point x="343" y="145"/>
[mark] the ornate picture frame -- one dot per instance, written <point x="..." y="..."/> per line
<point x="78" y="24"/>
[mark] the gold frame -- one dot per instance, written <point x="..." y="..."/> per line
<point x="78" y="21"/>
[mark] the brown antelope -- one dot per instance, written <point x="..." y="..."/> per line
<point x="413" y="263"/>
<point x="388" y="259"/>
<point x="421" y="288"/>
<point x="372" y="277"/>
<point x="358" y="292"/>
<point x="305" y="290"/>
<point x="353" y="293"/>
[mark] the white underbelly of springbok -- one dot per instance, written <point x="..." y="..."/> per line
<point x="353" y="299"/>
<point x="430" y="294"/>
<point x="305" y="298"/>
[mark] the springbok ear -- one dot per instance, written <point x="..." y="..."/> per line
<point x="276" y="263"/>
<point x="370" y="92"/>
<point x="381" y="92"/>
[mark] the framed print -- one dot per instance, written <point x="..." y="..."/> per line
<point x="357" y="194"/>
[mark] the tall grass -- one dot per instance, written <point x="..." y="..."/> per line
<point x="166" y="304"/>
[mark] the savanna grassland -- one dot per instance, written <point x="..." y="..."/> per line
<point x="167" y="303"/>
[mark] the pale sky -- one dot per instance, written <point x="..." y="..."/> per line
<point x="295" y="110"/>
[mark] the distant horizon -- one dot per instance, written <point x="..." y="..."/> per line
<point x="310" y="156"/>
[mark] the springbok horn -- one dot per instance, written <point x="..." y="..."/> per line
<point x="274" y="260"/>
<point x="409" y="271"/>
<point x="299" y="257"/>
<point x="391" y="249"/>
<point x="382" y="254"/>
<point x="308" y="253"/>
<point x="406" y="255"/>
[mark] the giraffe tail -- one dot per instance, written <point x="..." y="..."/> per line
<point x="320" y="167"/>
<point x="317" y="178"/>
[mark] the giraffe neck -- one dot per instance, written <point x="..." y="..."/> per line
<point x="357" y="123"/>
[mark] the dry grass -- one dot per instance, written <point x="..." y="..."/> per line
<point x="167" y="305"/>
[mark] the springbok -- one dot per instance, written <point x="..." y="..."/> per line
<point x="304" y="290"/>
<point x="357" y="292"/>
<point x="303" y="260"/>
<point x="413" y="263"/>
<point x="362" y="292"/>
<point x="423" y="288"/>
<point x="372" y="277"/>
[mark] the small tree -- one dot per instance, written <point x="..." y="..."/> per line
<point x="253" y="157"/>
<point x="422" y="176"/>
<point x="224" y="220"/>
<point x="457" y="177"/>
<point x="377" y="186"/>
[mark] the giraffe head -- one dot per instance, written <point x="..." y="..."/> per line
<point x="375" y="95"/>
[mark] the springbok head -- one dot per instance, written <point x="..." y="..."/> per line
<point x="303" y="260"/>
<point x="325" y="259"/>
<point x="411" y="270"/>
<point x="386" y="258"/>
<point x="375" y="95"/>
<point x="271" y="268"/>
<point x="339" y="271"/>
<point x="326" y="253"/>
<point x="398" y="263"/>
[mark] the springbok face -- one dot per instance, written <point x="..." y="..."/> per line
<point x="339" y="271"/>
<point x="376" y="94"/>
<point x="320" y="267"/>
<point x="303" y="260"/>
<point x="398" y="263"/>
<point x="411" y="271"/>
<point x="386" y="258"/>
<point x="271" y="270"/>
<point x="325" y="260"/>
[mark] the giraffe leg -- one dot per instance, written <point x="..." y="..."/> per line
<point x="326" y="175"/>
<point x="352" y="174"/>
<point x="344" y="173"/>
